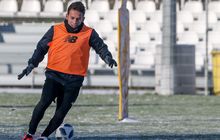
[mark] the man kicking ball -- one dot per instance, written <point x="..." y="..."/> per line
<point x="68" y="45"/>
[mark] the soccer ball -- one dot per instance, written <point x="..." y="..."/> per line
<point x="64" y="132"/>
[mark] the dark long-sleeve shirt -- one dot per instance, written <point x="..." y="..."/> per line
<point x="42" y="48"/>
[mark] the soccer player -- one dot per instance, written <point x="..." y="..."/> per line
<point x="68" y="46"/>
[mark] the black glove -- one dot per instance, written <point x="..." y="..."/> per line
<point x="110" y="61"/>
<point x="26" y="71"/>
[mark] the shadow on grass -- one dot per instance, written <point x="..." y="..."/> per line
<point x="154" y="137"/>
<point x="136" y="137"/>
<point x="114" y="105"/>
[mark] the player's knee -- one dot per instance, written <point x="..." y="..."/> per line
<point x="59" y="116"/>
<point x="63" y="110"/>
<point x="44" y="104"/>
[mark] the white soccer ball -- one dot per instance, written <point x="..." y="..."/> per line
<point x="64" y="132"/>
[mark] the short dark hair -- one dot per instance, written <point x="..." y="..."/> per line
<point x="78" y="6"/>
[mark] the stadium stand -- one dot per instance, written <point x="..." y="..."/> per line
<point x="92" y="17"/>
<point x="214" y="6"/>
<point x="199" y="61"/>
<point x="132" y="27"/>
<point x="129" y="5"/>
<point x="113" y="36"/>
<point x="212" y="17"/>
<point x="138" y="17"/>
<point x="188" y="38"/>
<point x="214" y="37"/>
<point x="154" y="30"/>
<point x="143" y="60"/>
<point x="179" y="27"/>
<point x="111" y="46"/>
<point x="177" y="7"/>
<point x="104" y="27"/>
<point x="32" y="28"/>
<point x="185" y="17"/>
<point x="146" y="6"/>
<point x="52" y="8"/>
<point x="198" y="27"/>
<point x="155" y="16"/>
<point x="142" y="37"/>
<point x="112" y="16"/>
<point x="8" y="8"/>
<point x="4" y="69"/>
<point x="30" y="8"/>
<point x="71" y="1"/>
<point x="151" y="27"/>
<point x="193" y="6"/>
<point x="133" y="47"/>
<point x="103" y="9"/>
<point x="23" y="22"/>
<point x="20" y="38"/>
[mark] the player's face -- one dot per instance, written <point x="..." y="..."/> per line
<point x="74" y="18"/>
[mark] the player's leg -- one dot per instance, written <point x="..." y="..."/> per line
<point x="59" y="99"/>
<point x="48" y="95"/>
<point x="70" y="96"/>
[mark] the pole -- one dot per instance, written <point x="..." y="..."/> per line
<point x="123" y="60"/>
<point x="206" y="70"/>
<point x="165" y="72"/>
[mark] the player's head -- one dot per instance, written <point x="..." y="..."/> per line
<point x="75" y="14"/>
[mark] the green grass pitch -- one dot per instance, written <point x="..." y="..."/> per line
<point x="95" y="117"/>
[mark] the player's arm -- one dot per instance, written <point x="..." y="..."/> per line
<point x="42" y="48"/>
<point x="101" y="49"/>
<point x="39" y="53"/>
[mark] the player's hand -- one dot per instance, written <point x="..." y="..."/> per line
<point x="26" y="71"/>
<point x="110" y="61"/>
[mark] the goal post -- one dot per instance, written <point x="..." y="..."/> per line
<point x="123" y="59"/>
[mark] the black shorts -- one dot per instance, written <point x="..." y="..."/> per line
<point x="54" y="91"/>
<point x="65" y="96"/>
